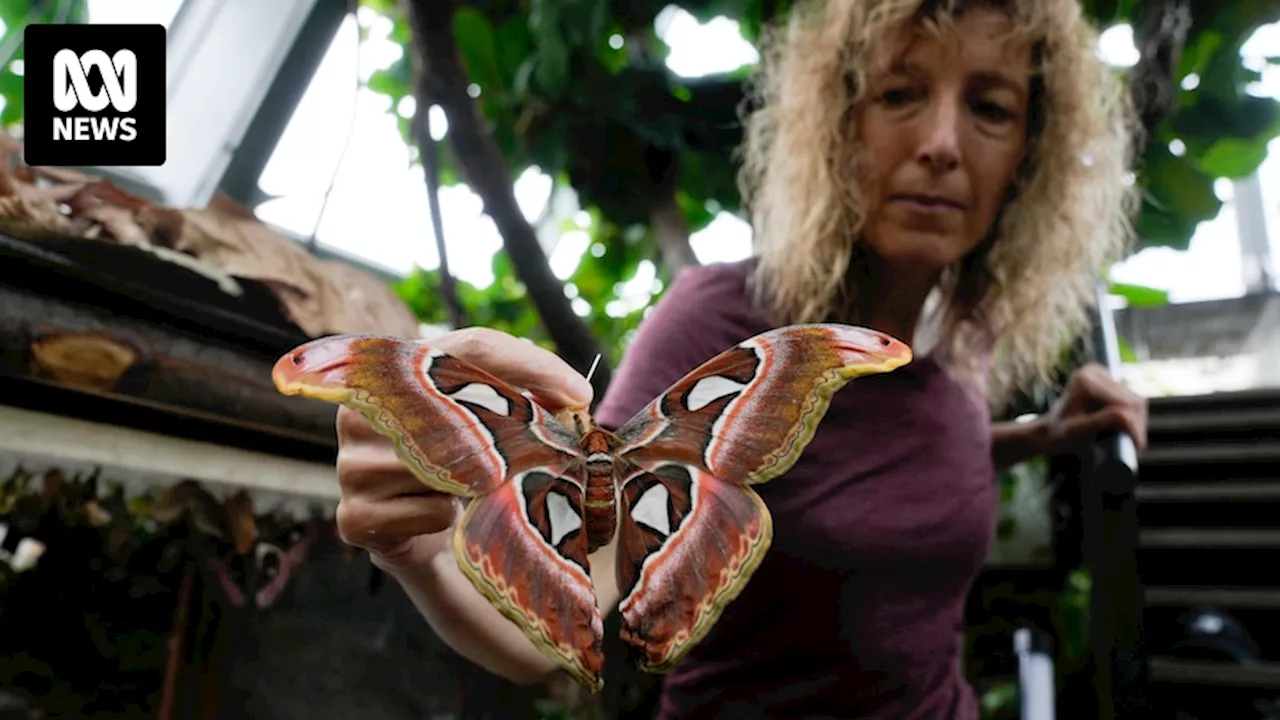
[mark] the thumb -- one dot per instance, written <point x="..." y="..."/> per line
<point x="552" y="381"/>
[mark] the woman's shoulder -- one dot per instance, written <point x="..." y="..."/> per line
<point x="722" y="282"/>
<point x="707" y="309"/>
<point x="712" y="300"/>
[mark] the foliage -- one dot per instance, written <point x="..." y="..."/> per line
<point x="85" y="631"/>
<point x="1138" y="296"/>
<point x="595" y="283"/>
<point x="1012" y="601"/>
<point x="1224" y="128"/>
<point x="579" y="89"/>
<point x="16" y="14"/>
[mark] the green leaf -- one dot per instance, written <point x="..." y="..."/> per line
<point x="1103" y="12"/>
<point x="597" y="21"/>
<point x="401" y="33"/>
<point x="382" y="7"/>
<point x="391" y="81"/>
<point x="478" y="48"/>
<point x="1198" y="51"/>
<point x="513" y="45"/>
<point x="552" y="70"/>
<point x="1214" y="116"/>
<point x="1236" y="157"/>
<point x="520" y="86"/>
<point x="1127" y="353"/>
<point x="14" y="14"/>
<point x="999" y="697"/>
<point x="553" y="46"/>
<point x="1140" y="296"/>
<point x="405" y="126"/>
<point x="12" y="92"/>
<point x="1177" y="197"/>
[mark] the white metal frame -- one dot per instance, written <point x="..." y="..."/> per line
<point x="223" y="55"/>
<point x="35" y="439"/>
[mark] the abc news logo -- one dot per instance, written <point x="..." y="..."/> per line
<point x="95" y="95"/>
<point x="71" y="91"/>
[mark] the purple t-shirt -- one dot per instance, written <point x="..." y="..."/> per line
<point x="879" y="529"/>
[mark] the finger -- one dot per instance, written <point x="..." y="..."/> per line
<point x="520" y="363"/>
<point x="1104" y="389"/>
<point x="1123" y="409"/>
<point x="381" y="526"/>
<point x="375" y="472"/>
<point x="1114" y="417"/>
<point x="1127" y="421"/>
<point x="352" y="427"/>
<point x="1138" y="425"/>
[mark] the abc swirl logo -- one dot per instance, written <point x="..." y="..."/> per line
<point x="71" y="91"/>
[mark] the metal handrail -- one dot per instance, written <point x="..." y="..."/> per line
<point x="1109" y="350"/>
<point x="1109" y="478"/>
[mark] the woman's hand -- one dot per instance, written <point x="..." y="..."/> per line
<point x="384" y="508"/>
<point x="1094" y="402"/>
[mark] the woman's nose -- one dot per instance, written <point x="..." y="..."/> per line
<point x="939" y="139"/>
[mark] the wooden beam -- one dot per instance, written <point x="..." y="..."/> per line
<point x="93" y="350"/>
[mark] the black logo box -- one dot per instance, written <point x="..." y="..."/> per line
<point x="147" y="148"/>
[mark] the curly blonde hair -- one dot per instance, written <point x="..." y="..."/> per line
<point x="1012" y="307"/>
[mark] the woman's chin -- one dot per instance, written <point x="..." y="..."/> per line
<point x="920" y="252"/>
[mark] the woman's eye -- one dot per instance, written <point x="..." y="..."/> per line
<point x="897" y="96"/>
<point x="993" y="111"/>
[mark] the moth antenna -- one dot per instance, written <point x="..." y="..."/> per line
<point x="594" y="363"/>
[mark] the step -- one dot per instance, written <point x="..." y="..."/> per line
<point x="1171" y="565"/>
<point x="1172" y="596"/>
<point x="1212" y="452"/>
<point x="1205" y="672"/>
<point x="1209" y="538"/>
<point x="1213" y="491"/>
<point x="1214" y="419"/>
<point x="1232" y="401"/>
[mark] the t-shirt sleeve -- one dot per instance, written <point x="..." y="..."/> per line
<point x="679" y="334"/>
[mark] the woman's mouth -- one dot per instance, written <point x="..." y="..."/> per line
<point x="928" y="204"/>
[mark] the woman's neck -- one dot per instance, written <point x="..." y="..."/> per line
<point x="891" y="300"/>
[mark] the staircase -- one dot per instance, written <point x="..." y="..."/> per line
<point x="1208" y="510"/>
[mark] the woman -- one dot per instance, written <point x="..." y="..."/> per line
<point x="949" y="172"/>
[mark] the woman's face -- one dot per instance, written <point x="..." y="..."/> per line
<point x="943" y="130"/>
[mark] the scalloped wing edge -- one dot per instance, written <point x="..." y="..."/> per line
<point x="384" y="424"/>
<point x="533" y="627"/>
<point x="709" y="612"/>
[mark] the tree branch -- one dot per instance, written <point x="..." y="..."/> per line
<point x="431" y="170"/>
<point x="1159" y="37"/>
<point x="485" y="171"/>
<point x="672" y="231"/>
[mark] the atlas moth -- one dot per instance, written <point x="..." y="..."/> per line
<point x="546" y="488"/>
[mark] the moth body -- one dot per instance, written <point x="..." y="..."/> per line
<point x="601" y="508"/>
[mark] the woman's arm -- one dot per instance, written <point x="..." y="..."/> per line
<point x="1015" y="442"/>
<point x="1092" y="402"/>
<point x="469" y="624"/>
